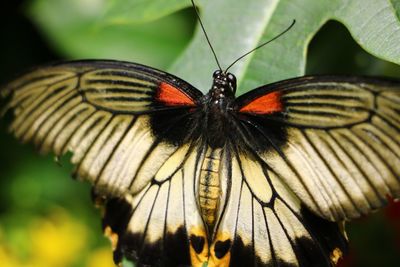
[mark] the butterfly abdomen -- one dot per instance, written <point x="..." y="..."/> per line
<point x="209" y="189"/>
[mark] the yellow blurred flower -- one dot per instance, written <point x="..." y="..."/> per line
<point x="101" y="257"/>
<point x="57" y="240"/>
<point x="7" y="259"/>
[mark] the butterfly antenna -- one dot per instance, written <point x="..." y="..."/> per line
<point x="261" y="45"/>
<point x="205" y="33"/>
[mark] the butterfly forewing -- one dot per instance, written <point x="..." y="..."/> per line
<point x="101" y="112"/>
<point x="341" y="150"/>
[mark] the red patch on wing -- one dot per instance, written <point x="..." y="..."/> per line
<point x="172" y="96"/>
<point x="266" y="104"/>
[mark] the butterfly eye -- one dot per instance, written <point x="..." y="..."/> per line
<point x="216" y="73"/>
<point x="231" y="77"/>
<point x="232" y="81"/>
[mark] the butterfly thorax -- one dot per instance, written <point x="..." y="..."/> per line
<point x="218" y="103"/>
<point x="222" y="92"/>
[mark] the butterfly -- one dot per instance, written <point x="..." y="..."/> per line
<point x="187" y="179"/>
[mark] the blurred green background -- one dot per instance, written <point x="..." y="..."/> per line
<point x="47" y="219"/>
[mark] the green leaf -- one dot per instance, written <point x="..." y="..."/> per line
<point x="77" y="30"/>
<point x="374" y="24"/>
<point x="139" y="11"/>
<point x="396" y="5"/>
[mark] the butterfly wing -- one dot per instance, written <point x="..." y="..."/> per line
<point x="333" y="140"/>
<point x="118" y="119"/>
<point x="263" y="223"/>
<point x="156" y="226"/>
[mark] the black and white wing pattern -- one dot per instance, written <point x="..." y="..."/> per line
<point x="335" y="141"/>
<point x="160" y="226"/>
<point x="101" y="112"/>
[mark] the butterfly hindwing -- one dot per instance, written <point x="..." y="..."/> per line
<point x="160" y="226"/>
<point x="264" y="224"/>
<point x="341" y="151"/>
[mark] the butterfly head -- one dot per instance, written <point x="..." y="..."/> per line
<point x="224" y="84"/>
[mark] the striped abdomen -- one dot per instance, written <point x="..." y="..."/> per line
<point x="209" y="189"/>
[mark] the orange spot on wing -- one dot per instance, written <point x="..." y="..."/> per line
<point x="266" y="104"/>
<point x="172" y="96"/>
<point x="112" y="236"/>
<point x="222" y="260"/>
<point x="198" y="259"/>
<point x="336" y="255"/>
